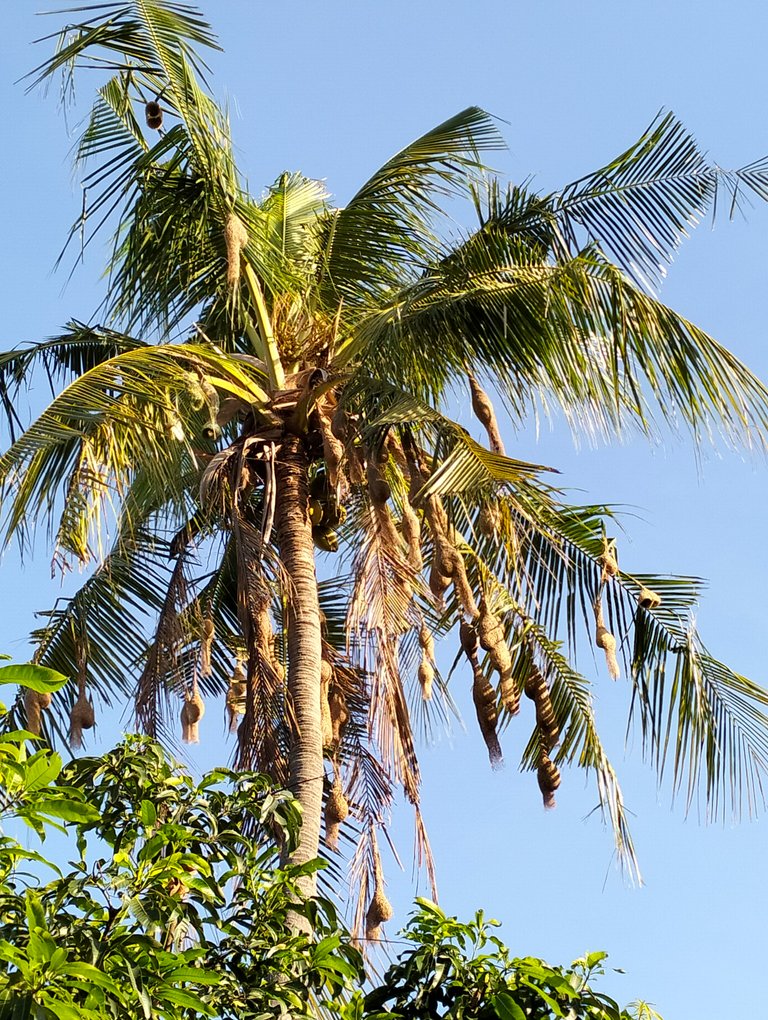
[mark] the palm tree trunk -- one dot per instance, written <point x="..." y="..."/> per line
<point x="294" y="538"/>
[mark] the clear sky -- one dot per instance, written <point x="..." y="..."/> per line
<point x="332" y="90"/>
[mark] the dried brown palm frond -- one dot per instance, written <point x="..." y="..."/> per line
<point x="162" y="670"/>
<point x="264" y="732"/>
<point x="483" y="408"/>
<point x="380" y="612"/>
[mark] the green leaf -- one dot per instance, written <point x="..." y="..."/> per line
<point x="187" y="999"/>
<point x="506" y="1008"/>
<point x="37" y="678"/>
<point x="67" y="810"/>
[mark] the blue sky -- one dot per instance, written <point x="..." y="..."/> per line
<point x="332" y="90"/>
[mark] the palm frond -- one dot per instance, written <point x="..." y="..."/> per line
<point x="71" y="353"/>
<point x="576" y="332"/>
<point x="639" y="207"/>
<point x="383" y="232"/>
<point x="133" y="412"/>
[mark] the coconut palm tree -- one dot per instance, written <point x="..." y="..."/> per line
<point x="254" y="458"/>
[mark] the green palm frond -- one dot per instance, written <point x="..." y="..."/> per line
<point x="383" y="232"/>
<point x="290" y="213"/>
<point x="112" y="613"/>
<point x="134" y="412"/>
<point x="640" y="206"/>
<point x="72" y="353"/>
<point x="136" y="31"/>
<point x="576" y="332"/>
<point x="580" y="743"/>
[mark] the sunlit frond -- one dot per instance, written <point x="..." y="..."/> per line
<point x="383" y="233"/>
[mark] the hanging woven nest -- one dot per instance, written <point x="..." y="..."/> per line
<point x="236" y="239"/>
<point x="379" y="909"/>
<point x="426" y="677"/>
<point x="537" y="690"/>
<point x="192" y="712"/>
<point x="548" y="776"/>
<point x="207" y="635"/>
<point x="35" y="703"/>
<point x="336" y="811"/>
<point x="483" y="408"/>
<point x="82" y="717"/>
<point x="605" y="640"/>
<point x="649" y="599"/>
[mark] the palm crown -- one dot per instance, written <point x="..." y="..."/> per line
<point x="271" y="382"/>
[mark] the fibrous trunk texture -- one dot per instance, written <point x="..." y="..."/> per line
<point x="294" y="537"/>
